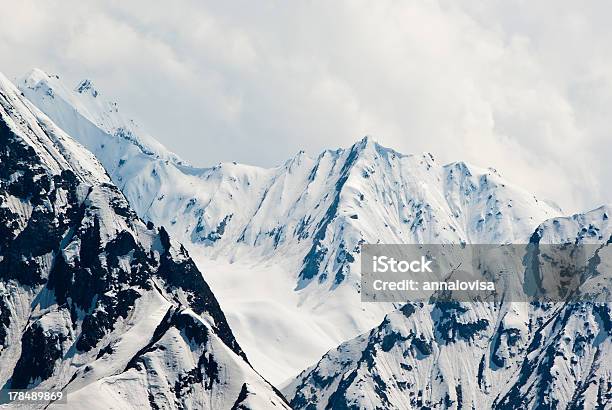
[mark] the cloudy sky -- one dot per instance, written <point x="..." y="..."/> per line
<point x="523" y="86"/>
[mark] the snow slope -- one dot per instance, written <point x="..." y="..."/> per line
<point x="469" y="355"/>
<point x="95" y="302"/>
<point x="282" y="243"/>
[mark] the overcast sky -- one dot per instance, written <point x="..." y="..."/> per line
<point x="523" y="86"/>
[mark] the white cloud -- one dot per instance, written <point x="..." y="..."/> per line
<point x="521" y="86"/>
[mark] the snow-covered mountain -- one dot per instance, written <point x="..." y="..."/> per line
<point x="469" y="355"/>
<point x="282" y="243"/>
<point x="95" y="302"/>
<point x="281" y="250"/>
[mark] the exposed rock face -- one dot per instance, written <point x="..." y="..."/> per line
<point x="480" y="355"/>
<point x="93" y="301"/>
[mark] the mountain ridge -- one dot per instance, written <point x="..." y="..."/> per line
<point x="540" y="355"/>
<point x="94" y="301"/>
<point x="282" y="243"/>
<point x="297" y="227"/>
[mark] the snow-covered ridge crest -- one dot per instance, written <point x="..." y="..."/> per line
<point x="300" y="225"/>
<point x="87" y="102"/>
<point x="55" y="147"/>
<point x="590" y="227"/>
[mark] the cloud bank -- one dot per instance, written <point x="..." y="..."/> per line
<point x="525" y="87"/>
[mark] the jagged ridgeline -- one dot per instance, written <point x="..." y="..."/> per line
<point x="94" y="302"/>
<point x="302" y="224"/>
<point x="508" y="355"/>
<point x="306" y="217"/>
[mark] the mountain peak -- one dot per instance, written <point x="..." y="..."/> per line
<point x="367" y="141"/>
<point x="36" y="75"/>
<point x="362" y="148"/>
<point x="368" y="146"/>
<point x="104" y="125"/>
<point x="297" y="160"/>
<point x="37" y="79"/>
